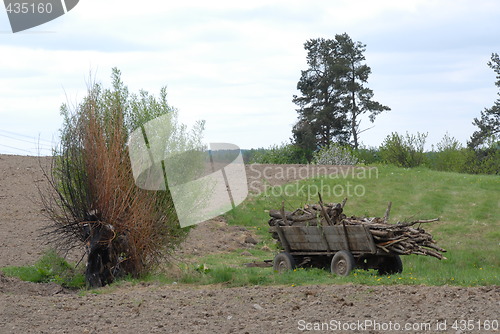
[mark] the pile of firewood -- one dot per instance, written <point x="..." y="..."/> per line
<point x="400" y="238"/>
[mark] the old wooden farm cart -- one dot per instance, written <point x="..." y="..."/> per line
<point x="342" y="247"/>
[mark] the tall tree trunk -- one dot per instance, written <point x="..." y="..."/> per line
<point x="354" y="129"/>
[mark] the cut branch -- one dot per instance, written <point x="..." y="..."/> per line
<point x="400" y="238"/>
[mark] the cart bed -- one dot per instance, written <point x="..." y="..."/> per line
<point x="327" y="239"/>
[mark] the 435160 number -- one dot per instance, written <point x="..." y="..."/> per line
<point x="25" y="8"/>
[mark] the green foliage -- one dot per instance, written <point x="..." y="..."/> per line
<point x="489" y="123"/>
<point x="486" y="140"/>
<point x="248" y="155"/>
<point x="49" y="268"/>
<point x="484" y="160"/>
<point x="450" y="156"/>
<point x="404" y="151"/>
<point x="144" y="107"/>
<point x="279" y="154"/>
<point x="333" y="93"/>
<point x="368" y="155"/>
<point x="321" y="118"/>
<point x="335" y="154"/>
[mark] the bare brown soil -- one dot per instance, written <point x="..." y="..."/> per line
<point x="151" y="308"/>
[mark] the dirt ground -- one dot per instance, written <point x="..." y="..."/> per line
<point x="150" y="308"/>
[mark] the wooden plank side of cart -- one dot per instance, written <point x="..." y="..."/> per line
<point x="315" y="238"/>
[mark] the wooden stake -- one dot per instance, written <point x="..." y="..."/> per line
<point x="343" y="203"/>
<point x="283" y="215"/>
<point x="387" y="212"/>
<point x="324" y="211"/>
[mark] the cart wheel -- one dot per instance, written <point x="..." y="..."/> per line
<point x="390" y="265"/>
<point x="283" y="262"/>
<point x="342" y="263"/>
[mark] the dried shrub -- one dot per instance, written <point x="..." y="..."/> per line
<point x="93" y="200"/>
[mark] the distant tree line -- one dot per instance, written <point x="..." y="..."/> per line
<point x="333" y="98"/>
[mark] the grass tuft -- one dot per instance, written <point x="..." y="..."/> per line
<point x="49" y="268"/>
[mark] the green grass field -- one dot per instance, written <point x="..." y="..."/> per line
<point x="468" y="207"/>
<point x="469" y="228"/>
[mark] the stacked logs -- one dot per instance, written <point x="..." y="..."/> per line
<point x="400" y="238"/>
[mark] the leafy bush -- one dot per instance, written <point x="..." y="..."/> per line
<point x="279" y="154"/>
<point x="404" y="151"/>
<point x="368" y="155"/>
<point x="450" y="155"/>
<point x="484" y="160"/>
<point x="335" y="154"/>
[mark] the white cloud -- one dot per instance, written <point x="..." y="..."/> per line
<point x="236" y="64"/>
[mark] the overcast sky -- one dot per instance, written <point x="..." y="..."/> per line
<point x="236" y="64"/>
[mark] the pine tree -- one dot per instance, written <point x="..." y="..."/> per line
<point x="489" y="123"/>
<point x="357" y="98"/>
<point x="321" y="115"/>
<point x="334" y="95"/>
